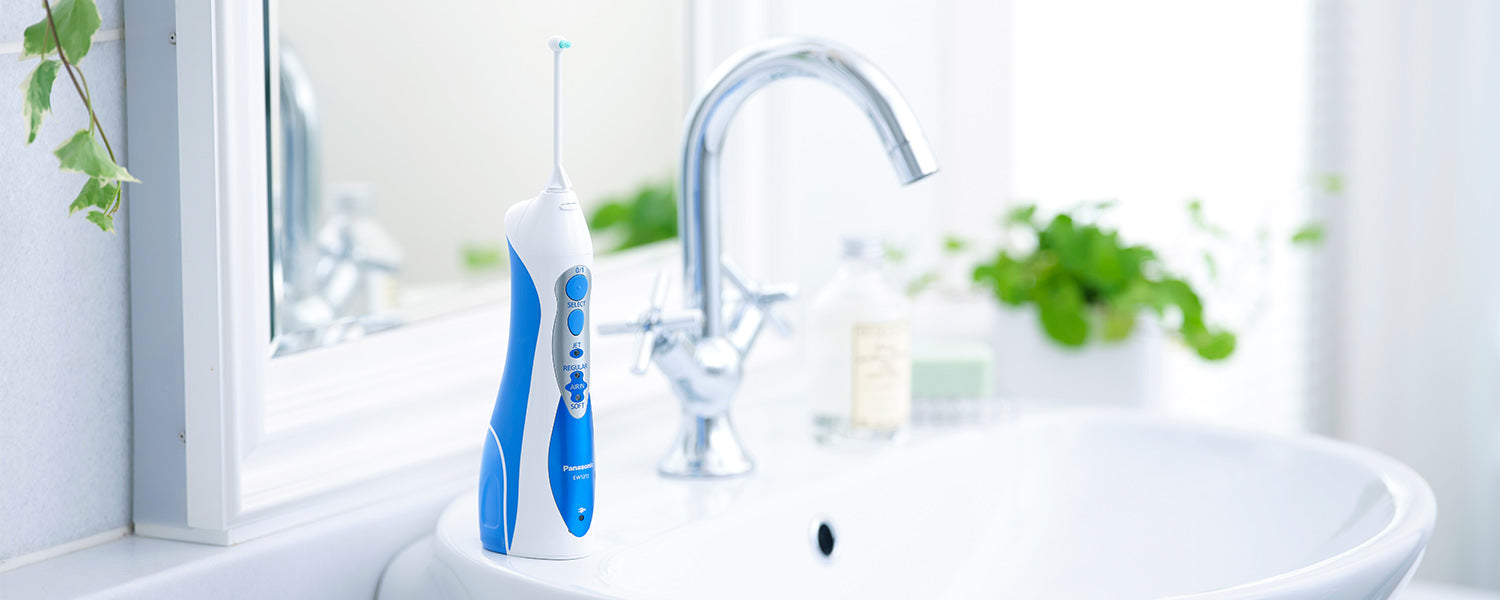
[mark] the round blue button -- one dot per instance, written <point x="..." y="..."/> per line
<point x="575" y="321"/>
<point x="576" y="287"/>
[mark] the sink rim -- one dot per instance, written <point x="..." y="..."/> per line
<point x="1396" y="547"/>
<point x="1402" y="540"/>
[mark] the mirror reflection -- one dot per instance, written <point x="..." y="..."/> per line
<point x="400" y="134"/>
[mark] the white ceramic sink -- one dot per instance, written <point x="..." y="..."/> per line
<point x="1064" y="505"/>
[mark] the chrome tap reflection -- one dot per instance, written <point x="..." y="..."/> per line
<point x="332" y="276"/>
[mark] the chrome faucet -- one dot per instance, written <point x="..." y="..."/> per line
<point x="699" y="349"/>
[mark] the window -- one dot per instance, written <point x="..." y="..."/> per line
<point x="1155" y="103"/>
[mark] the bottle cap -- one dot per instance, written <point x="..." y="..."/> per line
<point x="865" y="248"/>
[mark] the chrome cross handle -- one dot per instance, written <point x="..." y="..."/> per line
<point x="756" y="309"/>
<point x="653" y="323"/>
<point x="704" y="371"/>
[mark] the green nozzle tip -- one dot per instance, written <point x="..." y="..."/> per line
<point x="565" y="44"/>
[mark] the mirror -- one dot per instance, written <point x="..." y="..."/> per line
<point x="401" y="132"/>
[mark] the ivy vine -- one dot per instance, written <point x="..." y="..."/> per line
<point x="66" y="32"/>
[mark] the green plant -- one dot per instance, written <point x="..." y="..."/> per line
<point x="482" y="258"/>
<point x="67" y="32"/>
<point x="647" y="215"/>
<point x="1083" y="279"/>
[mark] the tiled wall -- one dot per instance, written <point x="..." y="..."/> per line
<point x="64" y="313"/>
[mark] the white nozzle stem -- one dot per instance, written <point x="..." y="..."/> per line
<point x="559" y="180"/>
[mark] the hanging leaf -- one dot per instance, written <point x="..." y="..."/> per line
<point x="77" y="20"/>
<point x="102" y="219"/>
<point x="83" y="154"/>
<point x="38" y="100"/>
<point x="96" y="193"/>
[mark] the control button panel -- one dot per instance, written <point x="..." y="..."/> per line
<point x="570" y="339"/>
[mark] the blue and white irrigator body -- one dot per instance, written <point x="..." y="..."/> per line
<point x="536" y="483"/>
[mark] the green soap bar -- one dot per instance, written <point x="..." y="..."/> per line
<point x="952" y="370"/>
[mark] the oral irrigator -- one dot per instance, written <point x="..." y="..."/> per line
<point x="536" y="483"/>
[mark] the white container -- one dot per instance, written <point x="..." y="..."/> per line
<point x="1031" y="366"/>
<point x="859" y="350"/>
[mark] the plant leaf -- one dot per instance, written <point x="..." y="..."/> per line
<point x="1061" y="309"/>
<point x="77" y="20"/>
<point x="953" y="244"/>
<point x="1021" y="215"/>
<point x="83" y="154"/>
<point x="916" y="286"/>
<point x="1200" y="220"/>
<point x="102" y="219"/>
<point x="893" y="254"/>
<point x="1310" y="234"/>
<point x="483" y="257"/>
<point x="96" y="193"/>
<point x="1119" y="322"/>
<point x="1009" y="278"/>
<point x="1331" y="183"/>
<point x="608" y="215"/>
<point x="1179" y="293"/>
<point x="38" y="96"/>
<point x="1212" y="345"/>
<point x="648" y="215"/>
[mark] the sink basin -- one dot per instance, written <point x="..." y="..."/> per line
<point x="1060" y="505"/>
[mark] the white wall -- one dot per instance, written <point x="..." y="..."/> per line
<point x="1419" y="289"/>
<point x="64" y="314"/>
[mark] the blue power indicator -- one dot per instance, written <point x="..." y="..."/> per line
<point x="577" y="286"/>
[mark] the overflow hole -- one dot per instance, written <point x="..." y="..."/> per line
<point x="823" y="537"/>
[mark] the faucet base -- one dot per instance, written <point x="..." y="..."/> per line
<point x="705" y="447"/>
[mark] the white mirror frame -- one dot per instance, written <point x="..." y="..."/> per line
<point x="231" y="444"/>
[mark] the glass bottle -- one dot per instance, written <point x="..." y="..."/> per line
<point x="860" y="350"/>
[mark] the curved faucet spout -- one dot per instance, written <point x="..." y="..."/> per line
<point x="740" y="77"/>
<point x="695" y="349"/>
